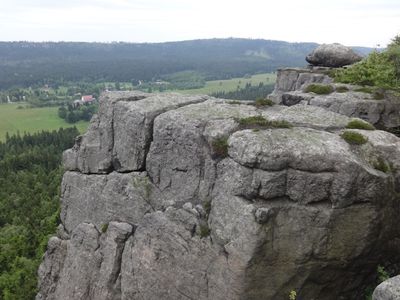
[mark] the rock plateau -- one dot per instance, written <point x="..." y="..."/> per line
<point x="151" y="208"/>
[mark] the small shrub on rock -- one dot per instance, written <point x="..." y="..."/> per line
<point x="359" y="124"/>
<point x="354" y="138"/>
<point x="320" y="89"/>
<point x="220" y="147"/>
<point x="204" y="230"/>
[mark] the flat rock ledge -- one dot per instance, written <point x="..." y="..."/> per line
<point x="179" y="197"/>
<point x="352" y="101"/>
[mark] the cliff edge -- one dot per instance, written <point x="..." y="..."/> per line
<point x="190" y="197"/>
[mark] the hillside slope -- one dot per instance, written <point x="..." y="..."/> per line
<point x="28" y="63"/>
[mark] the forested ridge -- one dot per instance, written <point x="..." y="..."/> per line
<point x="30" y="176"/>
<point x="28" y="64"/>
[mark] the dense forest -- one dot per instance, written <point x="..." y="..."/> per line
<point x="249" y="92"/>
<point x="30" y="176"/>
<point x="26" y="64"/>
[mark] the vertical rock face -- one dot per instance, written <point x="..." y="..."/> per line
<point x="152" y="208"/>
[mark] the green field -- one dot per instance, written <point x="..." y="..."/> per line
<point x="31" y="120"/>
<point x="231" y="84"/>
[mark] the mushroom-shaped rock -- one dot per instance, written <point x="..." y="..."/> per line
<point x="333" y="55"/>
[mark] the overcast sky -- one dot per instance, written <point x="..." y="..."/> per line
<point x="350" y="22"/>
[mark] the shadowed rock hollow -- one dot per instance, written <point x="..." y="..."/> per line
<point x="151" y="208"/>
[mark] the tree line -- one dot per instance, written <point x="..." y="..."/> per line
<point x="30" y="176"/>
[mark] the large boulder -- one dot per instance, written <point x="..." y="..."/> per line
<point x="194" y="204"/>
<point x="333" y="55"/>
<point x="388" y="290"/>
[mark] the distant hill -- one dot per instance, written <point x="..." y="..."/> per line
<point x="28" y="63"/>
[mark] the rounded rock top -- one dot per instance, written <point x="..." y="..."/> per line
<point x="333" y="55"/>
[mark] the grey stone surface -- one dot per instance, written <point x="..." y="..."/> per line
<point x="388" y="290"/>
<point x="99" y="199"/>
<point x="120" y="143"/>
<point x="291" y="83"/>
<point x="180" y="161"/>
<point x="333" y="55"/>
<point x="290" y="79"/>
<point x="159" y="215"/>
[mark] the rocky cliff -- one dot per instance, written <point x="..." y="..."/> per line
<point x="189" y="197"/>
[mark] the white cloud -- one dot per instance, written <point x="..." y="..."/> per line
<point x="351" y="22"/>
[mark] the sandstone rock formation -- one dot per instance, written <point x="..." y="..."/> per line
<point x="353" y="101"/>
<point x="388" y="290"/>
<point x="333" y="55"/>
<point x="175" y="197"/>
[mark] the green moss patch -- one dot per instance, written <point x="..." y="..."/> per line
<point x="320" y="89"/>
<point x="359" y="124"/>
<point x="341" y="89"/>
<point x="220" y="147"/>
<point x="262" y="102"/>
<point x="261" y="122"/>
<point x="354" y="138"/>
<point x="381" y="165"/>
<point x="104" y="228"/>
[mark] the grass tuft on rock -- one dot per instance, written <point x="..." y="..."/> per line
<point x="220" y="147"/>
<point x="354" y="138"/>
<point x="204" y="230"/>
<point x="341" y="89"/>
<point x="233" y="102"/>
<point x="320" y="89"/>
<point x="261" y="122"/>
<point x="262" y="103"/>
<point x="359" y="124"/>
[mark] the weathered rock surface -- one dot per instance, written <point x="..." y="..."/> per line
<point x="163" y="214"/>
<point x="388" y="290"/>
<point x="333" y="55"/>
<point x="289" y="91"/>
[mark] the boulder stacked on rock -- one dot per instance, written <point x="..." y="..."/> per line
<point x="190" y="197"/>
<point x="333" y="55"/>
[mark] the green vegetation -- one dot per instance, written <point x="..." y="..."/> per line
<point x="381" y="275"/>
<point x="262" y="102"/>
<point x="292" y="295"/>
<point x="73" y="114"/>
<point x="207" y="206"/>
<point x="377" y="93"/>
<point x="30" y="120"/>
<point x="261" y="122"/>
<point x="381" y="165"/>
<point x="104" y="227"/>
<point x="248" y="92"/>
<point x="341" y="89"/>
<point x="320" y="89"/>
<point x="204" y="230"/>
<point x="359" y="124"/>
<point x="233" y="88"/>
<point x="379" y="69"/>
<point x="30" y="176"/>
<point x="220" y="147"/>
<point x="354" y="138"/>
<point x="26" y="64"/>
